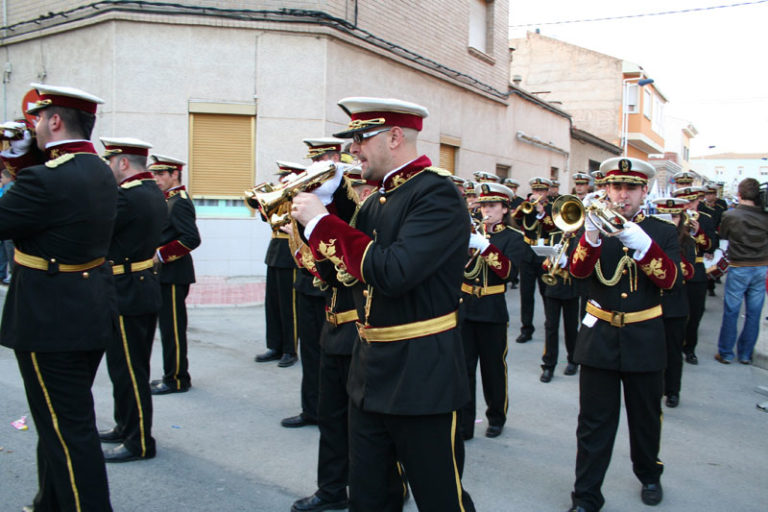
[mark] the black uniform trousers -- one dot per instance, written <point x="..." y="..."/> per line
<point x="70" y="463"/>
<point x="332" y="418"/>
<point x="173" y="334"/>
<point x="280" y="309"/>
<point x="429" y="448"/>
<point x="530" y="273"/>
<point x="697" y="298"/>
<point x="600" y="405"/>
<point x="674" y="332"/>
<point x="128" y="365"/>
<point x="552" y="308"/>
<point x="311" y="316"/>
<point x="486" y="342"/>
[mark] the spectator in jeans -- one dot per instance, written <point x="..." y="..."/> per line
<point x="746" y="229"/>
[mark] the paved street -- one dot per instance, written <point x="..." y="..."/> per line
<point x="220" y="446"/>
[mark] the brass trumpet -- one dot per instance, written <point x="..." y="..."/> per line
<point x="474" y="264"/>
<point x="274" y="202"/>
<point x="568" y="215"/>
<point x="691" y="215"/>
<point x="526" y="207"/>
<point x="601" y="211"/>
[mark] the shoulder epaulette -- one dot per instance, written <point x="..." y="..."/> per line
<point x="654" y="216"/>
<point x="131" y="184"/>
<point x="183" y="194"/>
<point x="439" y="171"/>
<point x="66" y="157"/>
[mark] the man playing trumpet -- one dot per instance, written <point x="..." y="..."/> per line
<point x="621" y="340"/>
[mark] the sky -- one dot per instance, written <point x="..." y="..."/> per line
<point x="710" y="65"/>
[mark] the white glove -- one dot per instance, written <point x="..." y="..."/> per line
<point x="19" y="147"/>
<point x="563" y="263"/>
<point x="478" y="241"/>
<point x="633" y="237"/>
<point x="326" y="190"/>
<point x="589" y="225"/>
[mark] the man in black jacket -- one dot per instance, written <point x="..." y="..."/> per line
<point x="406" y="256"/>
<point x="177" y="272"/>
<point x="141" y="211"/>
<point x="61" y="311"/>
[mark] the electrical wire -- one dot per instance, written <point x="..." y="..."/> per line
<point x="642" y="15"/>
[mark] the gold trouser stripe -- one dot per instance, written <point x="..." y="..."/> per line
<point x="408" y="331"/>
<point x="38" y="263"/>
<point x="699" y="259"/>
<point x="295" y="315"/>
<point x="138" y="266"/>
<point x="619" y="318"/>
<point x="481" y="291"/>
<point x="455" y="465"/>
<point x="506" y="377"/>
<point x="176" y="337"/>
<point x="135" y="386"/>
<point x="343" y="317"/>
<point x="55" y="421"/>
<point x="400" y="472"/>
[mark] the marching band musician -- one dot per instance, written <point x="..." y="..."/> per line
<point x="599" y="179"/>
<point x="621" y="340"/>
<point x="60" y="216"/>
<point x="512" y="184"/>
<point x="280" y="296"/>
<point x="177" y="272"/>
<point x="470" y="197"/>
<point x="581" y="185"/>
<point x="499" y="249"/>
<point x="536" y="226"/>
<point x="703" y="231"/>
<point x="406" y="256"/>
<point x="562" y="296"/>
<point x="674" y="302"/>
<point x="554" y="191"/>
<point x="141" y="213"/>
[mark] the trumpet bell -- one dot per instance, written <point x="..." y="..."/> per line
<point x="549" y="279"/>
<point x="568" y="213"/>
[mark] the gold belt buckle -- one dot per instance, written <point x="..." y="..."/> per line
<point x="617" y="318"/>
<point x="361" y="331"/>
<point x="331" y="317"/>
<point x="477" y="291"/>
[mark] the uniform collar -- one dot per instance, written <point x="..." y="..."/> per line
<point x="58" y="148"/>
<point x="398" y="176"/>
<point x="174" y="191"/>
<point x="146" y="175"/>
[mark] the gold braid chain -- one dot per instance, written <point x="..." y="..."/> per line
<point x="625" y="261"/>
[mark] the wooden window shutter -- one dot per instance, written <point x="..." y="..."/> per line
<point x="448" y="157"/>
<point x="221" y="162"/>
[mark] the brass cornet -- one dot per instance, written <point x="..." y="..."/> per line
<point x="526" y="207"/>
<point x="601" y="211"/>
<point x="274" y="202"/>
<point x="568" y="215"/>
<point x="691" y="215"/>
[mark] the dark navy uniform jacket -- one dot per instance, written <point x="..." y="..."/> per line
<point x="63" y="210"/>
<point x="141" y="211"/>
<point x="179" y="238"/>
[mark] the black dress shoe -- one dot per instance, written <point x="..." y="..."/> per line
<point x="524" y="337"/>
<point x="673" y="400"/>
<point x="652" y="494"/>
<point x="315" y="503"/>
<point x="287" y="360"/>
<point x="691" y="358"/>
<point x="712" y="293"/>
<point x="269" y="355"/>
<point x="577" y="508"/>
<point x="111" y="436"/>
<point x="546" y="375"/>
<point x="297" y="421"/>
<point x="158" y="387"/>
<point x="493" y="430"/>
<point x="122" y="454"/>
<point x="571" y="369"/>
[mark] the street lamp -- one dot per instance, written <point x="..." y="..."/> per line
<point x="625" y="115"/>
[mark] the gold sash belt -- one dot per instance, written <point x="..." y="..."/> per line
<point x="481" y="291"/>
<point x="138" y="266"/>
<point x="620" y="318"/>
<point x="280" y="234"/>
<point x="699" y="259"/>
<point x="408" y="331"/>
<point x="51" y="265"/>
<point x="343" y="317"/>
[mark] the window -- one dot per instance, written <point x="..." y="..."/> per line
<point x="448" y="157"/>
<point x="632" y="99"/>
<point x="502" y="171"/>
<point x="764" y="171"/>
<point x="686" y="153"/>
<point x="481" y="25"/>
<point x="657" y="122"/>
<point x="719" y="171"/>
<point x="221" y="157"/>
<point x="594" y="165"/>
<point x="647" y="103"/>
<point x="553" y="173"/>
